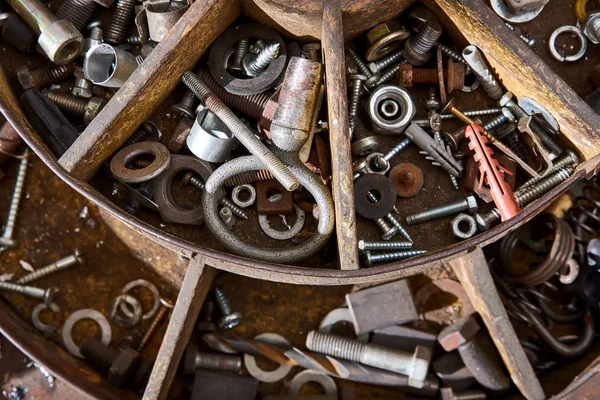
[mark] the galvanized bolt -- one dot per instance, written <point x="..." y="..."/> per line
<point x="371" y="259"/>
<point x="241" y="131"/>
<point x="82" y="87"/>
<point x="377" y="67"/>
<point x="86" y="109"/>
<point x="241" y="49"/>
<point x="415" y="365"/>
<point x="186" y="104"/>
<point x="533" y="192"/>
<point x="7" y="241"/>
<point x="189" y="178"/>
<point x="195" y="359"/>
<point x="229" y="319"/>
<point x="357" y="88"/>
<point x="255" y="64"/>
<point x="360" y="64"/>
<point x="469" y="204"/>
<point x="389" y="231"/>
<point x="364" y="245"/>
<point x="46" y="295"/>
<point x="64" y="263"/>
<point x="165" y="306"/>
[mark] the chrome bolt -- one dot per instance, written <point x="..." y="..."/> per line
<point x="357" y="89"/>
<point x="64" y="263"/>
<point x="229" y="319"/>
<point x="469" y="204"/>
<point x="189" y="178"/>
<point x="371" y="259"/>
<point x="418" y="49"/>
<point x="364" y="245"/>
<point x="255" y="64"/>
<point x="240" y="51"/>
<point x="360" y="64"/>
<point x="45" y="295"/>
<point x="6" y="240"/>
<point x="395" y="150"/>
<point x="186" y="104"/>
<point x="165" y="306"/>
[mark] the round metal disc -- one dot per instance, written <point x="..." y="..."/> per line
<point x="381" y="187"/>
<point x="120" y="161"/>
<point x="407" y="178"/>
<point x="85" y="313"/>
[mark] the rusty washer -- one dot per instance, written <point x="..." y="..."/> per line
<point x="119" y="165"/>
<point x="407" y="179"/>
<point x="380" y="187"/>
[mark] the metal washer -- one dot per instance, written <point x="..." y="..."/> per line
<point x="119" y="163"/>
<point x="35" y="318"/>
<point x="243" y="203"/>
<point x="500" y="7"/>
<point x="313" y="376"/>
<point x="123" y="300"/>
<point x="148" y="285"/>
<point x="564" y="29"/>
<point x="85" y="313"/>
<point x="267" y="376"/>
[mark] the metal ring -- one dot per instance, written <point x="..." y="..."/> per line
<point x="570" y="273"/>
<point x="471" y="226"/>
<point x="123" y="300"/>
<point x="320" y="378"/>
<point x="263" y="221"/>
<point x="339" y="315"/>
<point x="387" y="44"/>
<point x="235" y="195"/>
<point x="262" y="375"/>
<point x="379" y="186"/>
<point x="570" y="29"/>
<point x="47" y="329"/>
<point x="148" y="285"/>
<point x="85" y="313"/>
<point x="120" y="161"/>
<point x="499" y="6"/>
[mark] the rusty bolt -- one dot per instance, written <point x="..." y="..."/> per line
<point x="454" y="75"/>
<point x="407" y="179"/>
<point x="461" y="332"/>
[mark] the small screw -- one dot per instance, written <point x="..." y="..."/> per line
<point x="189" y="178"/>
<point x="388" y="230"/>
<point x="371" y="259"/>
<point x="7" y="241"/>
<point x="186" y="104"/>
<point x="64" y="263"/>
<point x="229" y="319"/>
<point x="162" y="312"/>
<point x="469" y="204"/>
<point x="364" y="245"/>
<point x="377" y="66"/>
<point x="255" y="64"/>
<point x="360" y="64"/>
<point x="46" y="295"/>
<point x="240" y="51"/>
<point x="357" y="89"/>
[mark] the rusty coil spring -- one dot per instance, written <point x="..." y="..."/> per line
<point x="555" y="260"/>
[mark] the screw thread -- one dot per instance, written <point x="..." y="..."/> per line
<point x="49" y="74"/>
<point x="388" y="230"/>
<point x="258" y="62"/>
<point x="240" y="51"/>
<point x="360" y="63"/>
<point x="134" y="40"/>
<point x="12" y="287"/>
<point x="396" y="149"/>
<point x="389" y="60"/>
<point x="437" y="212"/>
<point x="425" y="75"/>
<point x="187" y="103"/>
<point x="63" y="263"/>
<point x="223" y="302"/>
<point x="354" y="99"/>
<point x="78" y="12"/>
<point x="516" y="145"/>
<point x="249" y="177"/>
<point x="224" y="202"/>
<point x="564" y="160"/>
<point x="395" y="256"/>
<point x="241" y="131"/>
<point x="499" y="120"/>
<point x="370" y="246"/>
<point x="426" y="38"/>
<point x="399" y="227"/>
<point x="335" y="346"/>
<point x="452" y="54"/>
<point x="68" y="103"/>
<point x="222" y="362"/>
<point x="16" y="199"/>
<point x="122" y="17"/>
<point x="96" y="33"/>
<point x="387" y="75"/>
<point x="152" y="328"/>
<point x="140" y="134"/>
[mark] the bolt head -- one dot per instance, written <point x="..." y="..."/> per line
<point x="472" y="202"/>
<point x="189" y="358"/>
<point x="505" y="99"/>
<point x="187" y="178"/>
<point x="361" y="245"/>
<point x="382" y="30"/>
<point x="508" y="114"/>
<point x="405" y="75"/>
<point x="50" y="293"/>
<point x="230" y="321"/>
<point x="462" y="331"/>
<point x="421" y="359"/>
<point x="455" y="76"/>
<point x="182" y="111"/>
<point x="94" y="106"/>
<point x="390" y="233"/>
<point x="357" y="77"/>
<point x="373" y="67"/>
<point x="372" y="81"/>
<point x="482" y="223"/>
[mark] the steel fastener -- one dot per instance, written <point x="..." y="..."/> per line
<point x="566" y="159"/>
<point x="45" y="295"/>
<point x="76" y="11"/>
<point x="241" y="49"/>
<point x="7" y="241"/>
<point x="360" y="63"/>
<point x="418" y="48"/>
<point x="77" y="106"/>
<point x="186" y="104"/>
<point x="364" y="245"/>
<point x="120" y="21"/>
<point x="371" y="259"/>
<point x="255" y="64"/>
<point x="165" y="306"/>
<point x="196" y="181"/>
<point x="64" y="263"/>
<point x="357" y="89"/>
<point x="377" y="67"/>
<point x="45" y="76"/>
<point x="229" y="319"/>
<point x="388" y="230"/>
<point x="194" y="359"/>
<point x="469" y="204"/>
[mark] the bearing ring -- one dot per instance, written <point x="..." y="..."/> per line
<point x="320" y="378"/>
<point x="235" y="195"/>
<point x="120" y="161"/>
<point x="567" y="29"/>
<point x="263" y="221"/>
<point x="471" y="223"/>
<point x="391" y="109"/>
<point x="85" y="313"/>
<point x="123" y="300"/>
<point x="381" y="187"/>
<point x="262" y="375"/>
<point x="169" y="209"/>
<point x="148" y="285"/>
<point x="46" y="329"/>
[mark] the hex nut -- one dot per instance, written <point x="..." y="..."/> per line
<point x="457" y="230"/>
<point x="592" y="27"/>
<point x="124" y="366"/>
<point x="461" y="332"/>
<point x="472" y="202"/>
<point x="235" y="195"/>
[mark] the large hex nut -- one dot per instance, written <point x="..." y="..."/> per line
<point x="458" y="226"/>
<point x="385" y="38"/>
<point x="461" y="332"/>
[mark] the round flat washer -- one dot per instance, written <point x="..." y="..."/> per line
<point x="262" y="375"/>
<point x="339" y="315"/>
<point x="125" y="300"/>
<point x="320" y="378"/>
<point x="263" y="221"/>
<point x="47" y="329"/>
<point x="407" y="178"/>
<point x="169" y="209"/>
<point x="380" y="187"/>
<point x="582" y="43"/>
<point x="217" y="59"/>
<point x="121" y="161"/>
<point x="148" y="285"/>
<point x="85" y="313"/>
<point x="500" y="7"/>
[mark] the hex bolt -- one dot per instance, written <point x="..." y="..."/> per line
<point x="566" y="159"/>
<point x="77" y="11"/>
<point x="523" y="198"/>
<point x="241" y="49"/>
<point x="189" y="178"/>
<point x="7" y="241"/>
<point x="120" y="21"/>
<point x="418" y="48"/>
<point x="414" y="365"/>
<point x="371" y="259"/>
<point x="469" y="204"/>
<point x="254" y="64"/>
<point x="480" y="68"/>
<point x="45" y="295"/>
<point x="229" y="319"/>
<point x="364" y="245"/>
<point x="377" y="67"/>
<point x="360" y="63"/>
<point x="388" y="230"/>
<point x="470" y="113"/>
<point x="241" y="131"/>
<point x="529" y="41"/>
<point x="165" y="306"/>
<point x="46" y="75"/>
<point x="64" y="263"/>
<point x="357" y="89"/>
<point x="194" y="359"/>
<point x="58" y="38"/>
<point x="186" y="104"/>
<point x="454" y="75"/>
<point x="83" y="108"/>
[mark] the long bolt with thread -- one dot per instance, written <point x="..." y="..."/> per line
<point x="249" y="177"/>
<point x="564" y="160"/>
<point x="165" y="306"/>
<point x="360" y="63"/>
<point x="189" y="178"/>
<point x="52" y="74"/>
<point x="45" y="295"/>
<point x="386" y="76"/>
<point x="241" y="131"/>
<point x="66" y="262"/>
<point x="357" y="89"/>
<point x="364" y="245"/>
<point x="371" y="259"/>
<point x="255" y="64"/>
<point x="6" y="240"/>
<point x="79" y="107"/>
<point x="78" y="12"/>
<point x="470" y="113"/>
<point x="456" y="207"/>
<point x="121" y="19"/>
